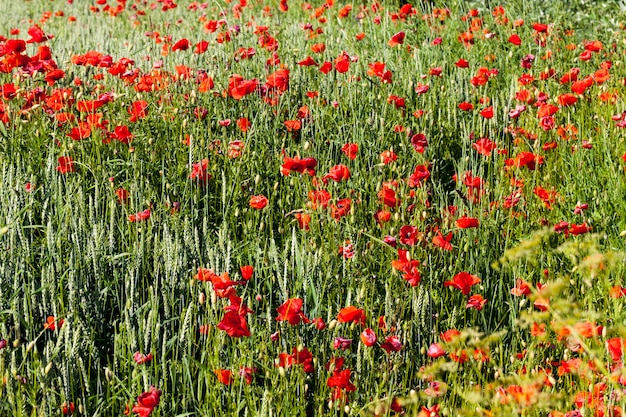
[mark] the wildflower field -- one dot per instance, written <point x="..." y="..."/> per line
<point x="282" y="208"/>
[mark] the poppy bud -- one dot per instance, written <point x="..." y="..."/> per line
<point x="108" y="374"/>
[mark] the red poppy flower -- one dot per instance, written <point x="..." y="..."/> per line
<point x="472" y="181"/>
<point x="293" y="125"/>
<point x="351" y="314"/>
<point x="521" y="288"/>
<point x="515" y="39"/>
<point x="238" y="87"/>
<point x="303" y="220"/>
<point x="538" y="330"/>
<point x="376" y="69"/>
<point x="37" y="35"/>
<point x="181" y="45"/>
<point x="419" y="142"/>
<point x="403" y="262"/>
<point x="567" y="100"/>
<point x="350" y="150"/>
<point x="387" y="196"/>
<point x="342" y="342"/>
<point x="319" y="198"/>
<point x="278" y="80"/>
<point x="615" y="347"/>
<point x="487" y="112"/>
<point x="368" y="337"/>
<point x="258" y="202"/>
<point x="579" y="87"/>
<point x="398" y="102"/>
<point x="409" y="235"/>
<point x="579" y="229"/>
<point x="476" y="301"/>
<point x="234" y="324"/>
<point x="342" y="63"/>
<point x="236" y="305"/>
<point x="465" y="106"/>
<point x="467" y="222"/>
<point x="397" y="39"/>
<point x="66" y="164"/>
<point x="201" y="47"/>
<point x="435" y="351"/>
<point x="387" y="157"/>
<point x="463" y="281"/>
<point x="318" y="48"/>
<point x="443" y="241"/>
<point x="617" y="291"/>
<point x="147" y="402"/>
<point x="411" y="273"/>
<point x="222" y="284"/>
<point x="244" y="124"/>
<point x="542" y="304"/>
<point x="326" y="67"/>
<point x="484" y="146"/>
<point x="199" y="171"/>
<point x="461" y="63"/>
<point x="391" y="344"/>
<point x="319" y="323"/>
<point x="204" y="274"/>
<point x="341" y="380"/>
<point x="141" y="358"/>
<point x="247" y="373"/>
<point x="139" y="217"/>
<point x="450" y="335"/>
<point x="345" y="11"/>
<point x="51" y="323"/>
<point x="291" y="311"/>
<point x="68" y="409"/>
<point x="121" y="134"/>
<point x="298" y="357"/>
<point x="224" y="376"/>
<point x="548" y="197"/>
<point x="304" y="165"/>
<point x="340" y="208"/>
<point x="83" y="131"/>
<point x="337" y="173"/>
<point x="419" y="175"/>
<point x="246" y="272"/>
<point x="525" y="159"/>
<point x="138" y="110"/>
<point x="307" y="62"/>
